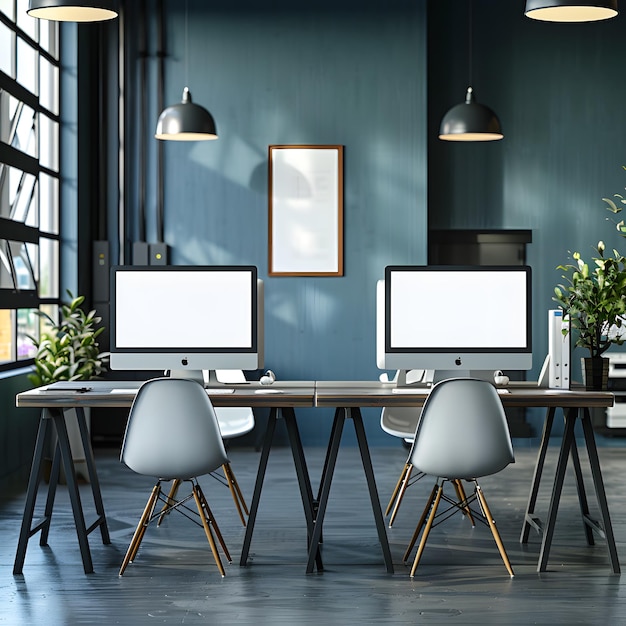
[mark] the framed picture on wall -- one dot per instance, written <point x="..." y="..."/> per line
<point x="305" y="210"/>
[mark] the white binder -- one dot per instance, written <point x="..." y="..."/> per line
<point x="558" y="350"/>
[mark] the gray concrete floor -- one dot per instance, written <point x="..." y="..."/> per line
<point x="461" y="579"/>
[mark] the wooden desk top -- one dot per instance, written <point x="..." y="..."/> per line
<point x="361" y="394"/>
<point x="302" y="394"/>
<point x="122" y="393"/>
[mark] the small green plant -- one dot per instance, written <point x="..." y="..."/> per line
<point x="69" y="349"/>
<point x="616" y="210"/>
<point x="594" y="297"/>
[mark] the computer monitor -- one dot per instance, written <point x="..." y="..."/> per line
<point x="454" y="319"/>
<point x="186" y="319"/>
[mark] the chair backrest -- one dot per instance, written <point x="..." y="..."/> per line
<point x="172" y="431"/>
<point x="463" y="432"/>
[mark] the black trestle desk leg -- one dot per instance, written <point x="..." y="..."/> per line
<point x="596" y="473"/>
<point x="534" y="490"/>
<point x="34" y="479"/>
<point x="336" y="423"/>
<point x="72" y="488"/>
<point x="52" y="489"/>
<point x="371" y="483"/>
<point x="304" y="480"/>
<point x="93" y="476"/>
<point x="582" y="495"/>
<point x="258" y="485"/>
<point x="331" y="460"/>
<point x="566" y="444"/>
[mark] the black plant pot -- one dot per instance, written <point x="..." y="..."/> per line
<point x="595" y="373"/>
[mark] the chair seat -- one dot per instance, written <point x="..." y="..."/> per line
<point x="234" y="421"/>
<point x="400" y="421"/>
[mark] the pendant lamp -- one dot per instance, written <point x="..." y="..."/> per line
<point x="186" y="121"/>
<point x="571" y="10"/>
<point x="72" y="10"/>
<point x="470" y="121"/>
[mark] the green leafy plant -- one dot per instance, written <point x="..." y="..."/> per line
<point x="69" y="349"/>
<point x="593" y="295"/>
<point x="613" y="207"/>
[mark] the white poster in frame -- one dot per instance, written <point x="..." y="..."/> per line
<point x="305" y="210"/>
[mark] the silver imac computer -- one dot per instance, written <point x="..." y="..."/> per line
<point x="454" y="320"/>
<point x="186" y="319"/>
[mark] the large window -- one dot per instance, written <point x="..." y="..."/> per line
<point x="29" y="177"/>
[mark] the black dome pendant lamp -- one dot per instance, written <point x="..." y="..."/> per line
<point x="185" y="121"/>
<point x="72" y="10"/>
<point x="571" y="10"/>
<point x="470" y="121"/>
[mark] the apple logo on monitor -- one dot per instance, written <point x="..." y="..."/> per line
<point x="185" y="362"/>
<point x="458" y="361"/>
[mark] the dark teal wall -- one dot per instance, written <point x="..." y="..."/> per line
<point x="18" y="430"/>
<point x="285" y="75"/>
<point x="559" y="91"/>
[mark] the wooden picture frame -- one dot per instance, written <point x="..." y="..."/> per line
<point x="305" y="191"/>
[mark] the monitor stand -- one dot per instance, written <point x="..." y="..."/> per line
<point x="421" y="378"/>
<point x="189" y="374"/>
<point x="440" y="375"/>
<point x="407" y="378"/>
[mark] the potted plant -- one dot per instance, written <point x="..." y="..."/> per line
<point x="69" y="349"/>
<point x="593" y="295"/>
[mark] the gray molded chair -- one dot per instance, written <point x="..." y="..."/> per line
<point x="462" y="435"/>
<point x="153" y="448"/>
<point x="400" y="421"/>
<point x="233" y="422"/>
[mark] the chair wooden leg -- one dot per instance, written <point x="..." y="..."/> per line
<point x="396" y="489"/>
<point x="214" y="526"/>
<point x="429" y="524"/>
<point x="460" y="494"/>
<point x="171" y="498"/>
<point x="420" y="524"/>
<point x="135" y="542"/>
<point x="235" y="491"/>
<point x="198" y="497"/>
<point x="242" y="500"/>
<point x="494" y="530"/>
<point x="408" y="469"/>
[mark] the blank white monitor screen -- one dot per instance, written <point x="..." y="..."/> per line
<point x="448" y="317"/>
<point x="177" y="317"/>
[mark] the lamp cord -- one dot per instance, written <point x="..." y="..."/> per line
<point x="186" y="43"/>
<point x="470" y="42"/>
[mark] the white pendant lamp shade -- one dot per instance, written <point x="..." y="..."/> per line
<point x="186" y="121"/>
<point x="72" y="10"/>
<point x="571" y="10"/>
<point x="470" y="121"/>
